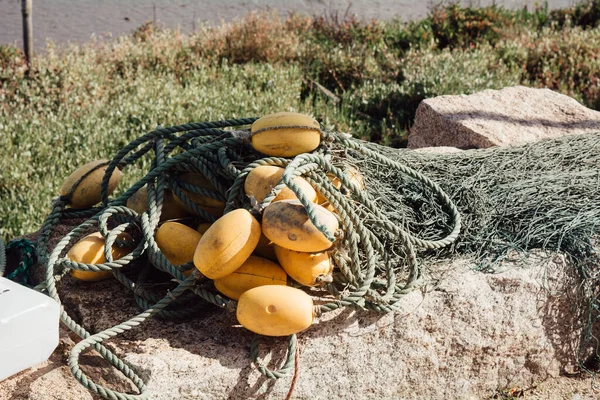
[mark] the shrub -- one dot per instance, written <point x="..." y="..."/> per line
<point x="345" y="30"/>
<point x="259" y="37"/>
<point x="456" y="26"/>
<point x="403" y="36"/>
<point x="567" y="61"/>
<point x="340" y="67"/>
<point x="456" y="71"/>
<point x="382" y="113"/>
<point x="11" y="58"/>
<point x="585" y="14"/>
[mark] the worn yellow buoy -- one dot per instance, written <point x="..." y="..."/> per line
<point x="285" y="134"/>
<point x="227" y="244"/>
<point x="305" y="268"/>
<point x="203" y="227"/>
<point x="177" y="242"/>
<point x="171" y="209"/>
<point x="354" y="176"/>
<point x="275" y="310"/>
<point x="286" y="224"/>
<point x="87" y="192"/>
<point x="265" y="248"/>
<point x="214" y="207"/>
<point x="262" y="179"/>
<point x="90" y="250"/>
<point x="336" y="183"/>
<point x="254" y="272"/>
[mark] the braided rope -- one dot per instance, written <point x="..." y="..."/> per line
<point x="287" y="367"/>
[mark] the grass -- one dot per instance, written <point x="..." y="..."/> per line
<point x="86" y="102"/>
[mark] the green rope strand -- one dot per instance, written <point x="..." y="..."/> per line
<point x="288" y="366"/>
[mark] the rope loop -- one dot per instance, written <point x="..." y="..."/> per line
<point x="288" y="366"/>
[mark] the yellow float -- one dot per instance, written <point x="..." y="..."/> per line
<point x="275" y="310"/>
<point x="254" y="272"/>
<point x="227" y="244"/>
<point x="286" y="224"/>
<point x="87" y="192"/>
<point x="285" y="134"/>
<point x="90" y="250"/>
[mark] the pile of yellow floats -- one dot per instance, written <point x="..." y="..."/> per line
<point x="249" y="261"/>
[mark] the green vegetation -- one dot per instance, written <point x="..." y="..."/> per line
<point x="86" y="102"/>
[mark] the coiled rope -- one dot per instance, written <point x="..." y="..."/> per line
<point x="376" y="258"/>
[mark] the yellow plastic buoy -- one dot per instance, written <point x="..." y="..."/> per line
<point x="87" y="192"/>
<point x="203" y="227"/>
<point x="286" y="224"/>
<point x="171" y="209"/>
<point x="336" y="183"/>
<point x="262" y="179"/>
<point x="285" y="134"/>
<point x="265" y="248"/>
<point x="177" y="242"/>
<point x="90" y="250"/>
<point x="254" y="272"/>
<point x="353" y="176"/>
<point x="227" y="244"/>
<point x="304" y="268"/>
<point x="214" y="207"/>
<point x="275" y="310"/>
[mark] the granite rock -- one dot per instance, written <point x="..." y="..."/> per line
<point x="511" y="116"/>
<point x="471" y="336"/>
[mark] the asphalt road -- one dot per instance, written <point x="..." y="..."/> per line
<point x="77" y="20"/>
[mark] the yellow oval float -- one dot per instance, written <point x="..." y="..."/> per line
<point x="177" y="242"/>
<point x="254" y="272"/>
<point x="286" y="224"/>
<point x="214" y="207"/>
<point x="336" y="183"/>
<point x="265" y="248"/>
<point x="203" y="227"/>
<point x="262" y="179"/>
<point x="285" y="134"/>
<point x="227" y="244"/>
<point x="353" y="176"/>
<point x="90" y="250"/>
<point x="171" y="209"/>
<point x="304" y="268"/>
<point x="87" y="192"/>
<point x="275" y="310"/>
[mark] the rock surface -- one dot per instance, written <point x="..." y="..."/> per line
<point x="511" y="116"/>
<point x="472" y="336"/>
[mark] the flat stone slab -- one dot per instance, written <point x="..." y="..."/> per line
<point x="511" y="116"/>
<point x="471" y="336"/>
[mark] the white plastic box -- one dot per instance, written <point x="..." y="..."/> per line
<point x="28" y="327"/>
